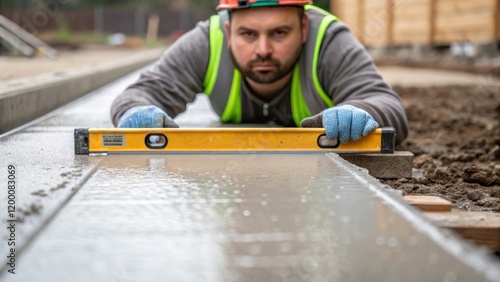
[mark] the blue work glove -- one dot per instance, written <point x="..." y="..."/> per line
<point x="344" y="122"/>
<point x="146" y="117"/>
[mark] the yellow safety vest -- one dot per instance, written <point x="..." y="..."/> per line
<point x="223" y="81"/>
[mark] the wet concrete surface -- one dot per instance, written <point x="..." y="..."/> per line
<point x="47" y="171"/>
<point x="232" y="217"/>
<point x="228" y="217"/>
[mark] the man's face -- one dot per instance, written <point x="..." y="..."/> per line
<point x="265" y="43"/>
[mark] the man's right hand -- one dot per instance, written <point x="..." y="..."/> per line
<point x="146" y="117"/>
<point x="344" y="122"/>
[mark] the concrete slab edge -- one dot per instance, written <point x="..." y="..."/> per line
<point x="478" y="258"/>
<point x="23" y="101"/>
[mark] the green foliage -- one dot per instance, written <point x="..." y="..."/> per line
<point x="63" y="32"/>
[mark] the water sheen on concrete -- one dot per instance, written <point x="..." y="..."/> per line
<point x="232" y="217"/>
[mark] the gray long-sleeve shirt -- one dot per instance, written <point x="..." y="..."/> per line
<point x="345" y="70"/>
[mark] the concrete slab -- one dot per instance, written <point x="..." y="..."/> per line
<point x="48" y="172"/>
<point x="240" y="217"/>
<point x="26" y="99"/>
<point x="14" y="68"/>
<point x="385" y="166"/>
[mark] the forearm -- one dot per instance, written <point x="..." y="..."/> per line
<point x="153" y="90"/>
<point x="386" y="113"/>
<point x="368" y="91"/>
<point x="134" y="97"/>
<point x="351" y="78"/>
<point x="173" y="81"/>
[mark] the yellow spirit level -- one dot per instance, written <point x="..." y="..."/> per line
<point x="161" y="140"/>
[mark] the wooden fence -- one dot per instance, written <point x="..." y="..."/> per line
<point x="379" y="23"/>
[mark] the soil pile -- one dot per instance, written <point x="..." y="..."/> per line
<point x="455" y="136"/>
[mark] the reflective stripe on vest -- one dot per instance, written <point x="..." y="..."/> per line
<point x="223" y="81"/>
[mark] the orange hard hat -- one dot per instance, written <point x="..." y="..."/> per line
<point x="240" y="4"/>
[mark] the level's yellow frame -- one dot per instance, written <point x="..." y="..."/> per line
<point x="226" y="139"/>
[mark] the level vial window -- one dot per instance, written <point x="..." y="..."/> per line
<point x="156" y="141"/>
<point x="325" y="143"/>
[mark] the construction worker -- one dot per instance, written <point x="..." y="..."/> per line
<point x="259" y="61"/>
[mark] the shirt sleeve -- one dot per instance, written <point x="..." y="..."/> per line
<point x="348" y="74"/>
<point x="174" y="80"/>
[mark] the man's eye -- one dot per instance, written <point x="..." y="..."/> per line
<point x="280" y="33"/>
<point x="247" y="34"/>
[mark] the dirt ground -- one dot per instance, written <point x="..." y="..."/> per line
<point x="455" y="136"/>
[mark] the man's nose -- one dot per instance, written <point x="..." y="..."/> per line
<point x="264" y="48"/>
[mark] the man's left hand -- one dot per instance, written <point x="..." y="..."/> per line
<point x="344" y="122"/>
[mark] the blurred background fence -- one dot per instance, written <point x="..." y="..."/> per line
<point x="130" y="17"/>
<point x="379" y="23"/>
<point x="130" y="21"/>
<point x="376" y="23"/>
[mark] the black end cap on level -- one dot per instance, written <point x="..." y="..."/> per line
<point x="81" y="141"/>
<point x="388" y="140"/>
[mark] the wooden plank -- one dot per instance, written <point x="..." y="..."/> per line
<point x="431" y="18"/>
<point x="444" y="7"/>
<point x="409" y="39"/>
<point x="429" y="203"/>
<point x="469" y="35"/>
<point x="407" y="3"/>
<point x="411" y="23"/>
<point x="360" y="21"/>
<point x="482" y="228"/>
<point x="474" y="26"/>
<point x="376" y="23"/>
<point x="465" y="20"/>
<point x="349" y="14"/>
<point x="414" y="11"/>
<point x="374" y="4"/>
<point x="480" y="35"/>
<point x="482" y="19"/>
<point x="334" y="6"/>
<point x="418" y="26"/>
<point x="405" y="39"/>
<point x="337" y="7"/>
<point x="390" y="21"/>
<point x="402" y="35"/>
<point x="496" y="20"/>
<point x="386" y="22"/>
<point x="350" y="18"/>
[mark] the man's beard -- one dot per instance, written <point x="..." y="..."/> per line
<point x="267" y="77"/>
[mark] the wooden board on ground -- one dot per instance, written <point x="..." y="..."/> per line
<point x="429" y="203"/>
<point x="482" y="228"/>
